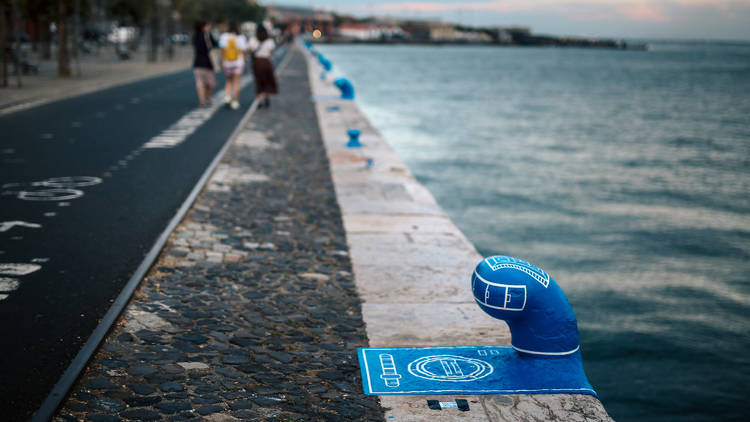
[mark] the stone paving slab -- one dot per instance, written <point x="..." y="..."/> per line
<point x="415" y="283"/>
<point x="250" y="312"/>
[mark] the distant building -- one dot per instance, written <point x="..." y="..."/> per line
<point x="307" y="19"/>
<point x="370" y="31"/>
<point x="441" y="31"/>
<point x="510" y="34"/>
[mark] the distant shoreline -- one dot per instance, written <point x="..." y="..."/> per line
<point x="535" y="41"/>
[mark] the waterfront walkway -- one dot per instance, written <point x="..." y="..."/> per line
<point x="291" y="258"/>
<point x="250" y="312"/>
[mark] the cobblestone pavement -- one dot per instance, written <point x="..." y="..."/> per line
<point x="251" y="311"/>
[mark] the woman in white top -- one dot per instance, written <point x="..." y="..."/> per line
<point x="262" y="47"/>
<point x="233" y="47"/>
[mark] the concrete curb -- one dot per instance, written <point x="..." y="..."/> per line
<point x="411" y="263"/>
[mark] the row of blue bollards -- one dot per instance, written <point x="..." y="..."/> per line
<point x="347" y="93"/>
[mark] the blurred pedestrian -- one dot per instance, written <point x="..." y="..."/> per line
<point x="233" y="49"/>
<point x="203" y="67"/>
<point x="262" y="47"/>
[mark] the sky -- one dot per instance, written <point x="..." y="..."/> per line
<point x="633" y="19"/>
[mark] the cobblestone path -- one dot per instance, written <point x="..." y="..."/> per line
<point x="251" y="311"/>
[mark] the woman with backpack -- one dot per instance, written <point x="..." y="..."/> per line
<point x="233" y="45"/>
<point x="262" y="47"/>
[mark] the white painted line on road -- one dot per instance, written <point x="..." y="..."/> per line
<point x="18" y="269"/>
<point x="8" y="284"/>
<point x="50" y="195"/>
<point x="69" y="182"/>
<point x="7" y="225"/>
<point x="178" y="132"/>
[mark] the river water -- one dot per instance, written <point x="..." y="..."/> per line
<point x="624" y="174"/>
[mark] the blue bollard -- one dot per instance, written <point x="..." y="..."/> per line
<point x="541" y="320"/>
<point x="353" y="138"/>
<point x="346" y="88"/>
<point x="327" y="65"/>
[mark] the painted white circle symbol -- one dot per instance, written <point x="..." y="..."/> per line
<point x="69" y="182"/>
<point x="50" y="195"/>
<point x="450" y="368"/>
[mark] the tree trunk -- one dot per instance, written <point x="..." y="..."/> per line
<point x="154" y="45"/>
<point x="17" y="31"/>
<point x="63" y="57"/>
<point x="46" y="37"/>
<point x="169" y="30"/>
<point x="76" y="35"/>
<point x="3" y="45"/>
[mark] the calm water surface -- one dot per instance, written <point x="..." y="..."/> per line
<point x="624" y="174"/>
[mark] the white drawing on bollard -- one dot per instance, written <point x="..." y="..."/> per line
<point x="389" y="375"/>
<point x="499" y="262"/>
<point x="450" y="368"/>
<point x="507" y="291"/>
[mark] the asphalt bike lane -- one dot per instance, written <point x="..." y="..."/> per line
<point x="87" y="184"/>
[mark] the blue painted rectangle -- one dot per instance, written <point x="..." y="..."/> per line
<point x="469" y="370"/>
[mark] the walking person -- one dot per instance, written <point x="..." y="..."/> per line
<point x="233" y="49"/>
<point x="262" y="47"/>
<point x="203" y="67"/>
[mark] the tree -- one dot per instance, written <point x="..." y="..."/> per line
<point x="63" y="56"/>
<point x="218" y="11"/>
<point x="3" y="40"/>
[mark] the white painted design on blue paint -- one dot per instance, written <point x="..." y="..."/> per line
<point x="7" y="225"/>
<point x="450" y="368"/>
<point x="441" y="370"/>
<point x="389" y="375"/>
<point x="500" y="262"/>
<point x="508" y="293"/>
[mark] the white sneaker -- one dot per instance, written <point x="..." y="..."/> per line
<point x="227" y="99"/>
<point x="235" y="105"/>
